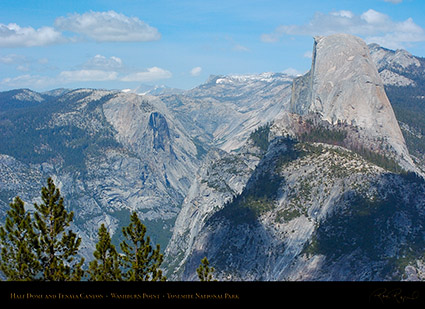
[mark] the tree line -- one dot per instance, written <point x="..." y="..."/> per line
<point x="41" y="246"/>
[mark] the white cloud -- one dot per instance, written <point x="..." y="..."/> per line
<point x="343" y="13"/>
<point x="394" y="1"/>
<point x="43" y="61"/>
<point x="87" y="75"/>
<point x="100" y="26"/>
<point x="374" y="26"/>
<point x="240" y="48"/>
<point x="196" y="71"/>
<point x="12" y="35"/>
<point x="104" y="63"/>
<point x="23" y="68"/>
<point x="28" y="80"/>
<point x="271" y="37"/>
<point x="12" y="59"/>
<point x="292" y="72"/>
<point x="65" y="77"/>
<point x="24" y="63"/>
<point x="108" y="27"/>
<point x="97" y="69"/>
<point x="374" y="18"/>
<point x="151" y="74"/>
<point x="308" y="54"/>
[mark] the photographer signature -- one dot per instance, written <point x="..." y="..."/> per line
<point x="394" y="295"/>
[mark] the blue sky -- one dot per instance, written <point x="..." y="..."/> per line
<point x="123" y="44"/>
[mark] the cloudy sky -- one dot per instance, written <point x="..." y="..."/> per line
<point x="123" y="44"/>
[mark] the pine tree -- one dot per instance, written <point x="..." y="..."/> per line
<point x="205" y="272"/>
<point x="58" y="245"/>
<point x="18" y="242"/>
<point x="106" y="266"/>
<point x="140" y="259"/>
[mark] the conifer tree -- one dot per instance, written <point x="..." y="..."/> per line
<point x="205" y="272"/>
<point x="19" y="242"/>
<point x="58" y="245"/>
<point x="139" y="258"/>
<point x="106" y="266"/>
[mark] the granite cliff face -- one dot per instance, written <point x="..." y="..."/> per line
<point x="404" y="78"/>
<point x="113" y="152"/>
<point x="344" y="86"/>
<point x="226" y="109"/>
<point x="270" y="177"/>
<point x="329" y="196"/>
<point x="110" y="153"/>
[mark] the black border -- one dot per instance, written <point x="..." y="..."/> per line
<point x="175" y="292"/>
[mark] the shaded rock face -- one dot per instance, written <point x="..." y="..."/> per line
<point x="404" y="78"/>
<point x="343" y="86"/>
<point x="291" y="201"/>
<point x="398" y="68"/>
<point x="311" y="208"/>
<point x="161" y="134"/>
<point x="110" y="153"/>
<point x="398" y="59"/>
<point x="330" y="215"/>
<point x="220" y="177"/>
<point x="223" y="111"/>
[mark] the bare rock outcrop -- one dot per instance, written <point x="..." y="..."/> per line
<point x="343" y="86"/>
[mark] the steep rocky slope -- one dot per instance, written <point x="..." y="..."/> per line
<point x="269" y="177"/>
<point x="393" y="65"/>
<point x="226" y="109"/>
<point x="221" y="176"/>
<point x="110" y="153"/>
<point x="404" y="78"/>
<point x="327" y="215"/>
<point x="114" y="152"/>
<point x="343" y="86"/>
<point x="331" y="195"/>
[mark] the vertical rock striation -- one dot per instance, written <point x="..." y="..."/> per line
<point x="313" y="207"/>
<point x="343" y="86"/>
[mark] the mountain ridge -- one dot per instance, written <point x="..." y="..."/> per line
<point x="304" y="181"/>
<point x="211" y="168"/>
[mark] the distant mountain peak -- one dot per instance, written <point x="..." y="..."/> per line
<point x="387" y="57"/>
<point x="153" y="90"/>
<point x="397" y="67"/>
<point x="247" y="78"/>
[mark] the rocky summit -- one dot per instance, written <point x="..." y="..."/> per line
<point x="269" y="176"/>
<point x="344" y="86"/>
<point x="326" y="192"/>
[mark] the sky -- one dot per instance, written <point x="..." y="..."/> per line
<point x="123" y="44"/>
